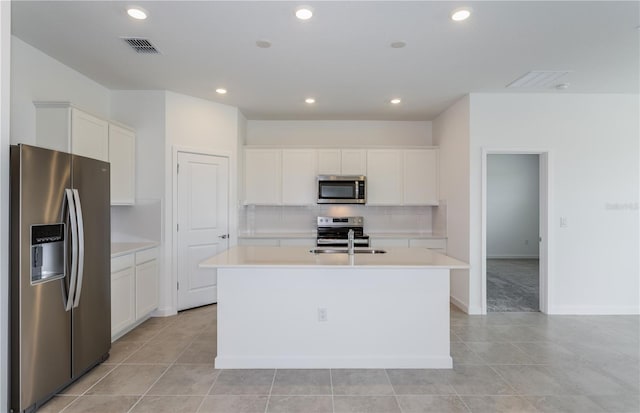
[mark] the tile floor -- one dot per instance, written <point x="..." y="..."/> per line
<point x="504" y="362"/>
<point x="513" y="285"/>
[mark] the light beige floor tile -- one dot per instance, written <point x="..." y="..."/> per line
<point x="420" y="381"/>
<point x="185" y="379"/>
<point x="498" y="404"/>
<point x="500" y="353"/>
<point x="302" y="382"/>
<point x="431" y="404"/>
<point x="168" y="404"/>
<point x="240" y="382"/>
<point x="120" y="350"/>
<point x="365" y="404"/>
<point x="101" y="404"/>
<point x="478" y="380"/>
<point x="625" y="403"/>
<point x="56" y="404"/>
<point x="564" y="404"/>
<point x="461" y="354"/>
<point x="88" y="380"/>
<point x="166" y="351"/>
<point x="234" y="404"/>
<point x="532" y="380"/>
<point x="372" y="382"/>
<point x="298" y="404"/>
<point x="199" y="352"/>
<point x="129" y="379"/>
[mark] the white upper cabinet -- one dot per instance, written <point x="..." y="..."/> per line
<point x="299" y="172"/>
<point x="420" y="171"/>
<point x="89" y="136"/>
<point x="384" y="177"/>
<point x="263" y="176"/>
<point x="62" y="127"/>
<point x="354" y="162"/>
<point x="329" y="162"/>
<point x="342" y="161"/>
<point x="122" y="156"/>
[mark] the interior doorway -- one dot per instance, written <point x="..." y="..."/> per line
<point x="515" y="231"/>
<point x="202" y="224"/>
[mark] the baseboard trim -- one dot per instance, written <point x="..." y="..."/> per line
<point x="513" y="257"/>
<point x="458" y="303"/>
<point x="593" y="310"/>
<point x="164" y="312"/>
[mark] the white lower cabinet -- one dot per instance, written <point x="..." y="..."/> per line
<point x="134" y="289"/>
<point x="123" y="299"/>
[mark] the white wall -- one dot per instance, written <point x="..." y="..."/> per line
<point x="593" y="141"/>
<point x="338" y="133"/>
<point x="451" y="134"/>
<point x="5" y="81"/>
<point x="512" y="206"/>
<point x="201" y="125"/>
<point x="37" y="77"/>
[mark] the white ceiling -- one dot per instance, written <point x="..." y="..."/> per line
<point x="342" y="56"/>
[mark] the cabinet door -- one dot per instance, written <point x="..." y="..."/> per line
<point x="354" y="162"/>
<point x="122" y="156"/>
<point x="263" y="176"/>
<point x="89" y="136"/>
<point x="299" y="174"/>
<point x="329" y="162"/>
<point x="384" y="177"/>
<point x="146" y="288"/>
<point x="420" y="177"/>
<point x="122" y="294"/>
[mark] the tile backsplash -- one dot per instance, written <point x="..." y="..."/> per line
<point x="381" y="219"/>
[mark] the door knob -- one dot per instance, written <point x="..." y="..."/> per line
<point x="223" y="236"/>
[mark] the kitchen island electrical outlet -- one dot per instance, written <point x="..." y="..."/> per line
<point x="322" y="314"/>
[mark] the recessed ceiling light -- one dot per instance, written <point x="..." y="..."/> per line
<point x="304" y="13"/>
<point x="263" y="44"/>
<point x="398" y="45"/>
<point x="137" y="13"/>
<point x="459" y="15"/>
<point x="395" y="101"/>
<point x="310" y="100"/>
<point x="221" y="91"/>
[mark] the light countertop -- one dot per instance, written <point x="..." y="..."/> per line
<point x="312" y="234"/>
<point x="123" y="248"/>
<point x="278" y="257"/>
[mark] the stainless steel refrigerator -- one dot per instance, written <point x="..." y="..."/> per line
<point x="60" y="271"/>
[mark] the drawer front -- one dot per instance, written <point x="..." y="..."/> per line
<point x="120" y="263"/>
<point x="146" y="255"/>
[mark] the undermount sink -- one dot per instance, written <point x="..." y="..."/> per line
<point x="344" y="251"/>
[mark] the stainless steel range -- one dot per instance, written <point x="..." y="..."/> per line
<point x="334" y="232"/>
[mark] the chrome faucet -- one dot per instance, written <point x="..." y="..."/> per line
<point x="350" y="242"/>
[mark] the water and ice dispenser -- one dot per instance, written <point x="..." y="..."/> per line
<point x="47" y="252"/>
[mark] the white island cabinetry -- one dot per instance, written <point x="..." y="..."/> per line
<point x="134" y="289"/>
<point x="284" y="307"/>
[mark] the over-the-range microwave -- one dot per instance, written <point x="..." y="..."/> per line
<point x="342" y="189"/>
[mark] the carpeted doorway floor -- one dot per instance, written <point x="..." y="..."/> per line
<point x="513" y="285"/>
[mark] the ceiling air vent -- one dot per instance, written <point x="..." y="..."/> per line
<point x="538" y="79"/>
<point x="141" y="45"/>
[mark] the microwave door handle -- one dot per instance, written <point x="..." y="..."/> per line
<point x="74" y="248"/>
<point x="357" y="190"/>
<point x="80" y="248"/>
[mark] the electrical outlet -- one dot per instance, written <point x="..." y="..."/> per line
<point x="526" y="242"/>
<point x="322" y="314"/>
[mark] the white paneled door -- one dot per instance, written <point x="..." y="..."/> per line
<point x="203" y="224"/>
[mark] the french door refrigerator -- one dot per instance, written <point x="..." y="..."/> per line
<point x="60" y="271"/>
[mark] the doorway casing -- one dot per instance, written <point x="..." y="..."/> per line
<point x="546" y="236"/>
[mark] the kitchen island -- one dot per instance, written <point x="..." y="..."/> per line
<point x="285" y="307"/>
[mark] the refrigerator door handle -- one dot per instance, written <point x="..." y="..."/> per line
<point x="74" y="248"/>
<point x="76" y="195"/>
